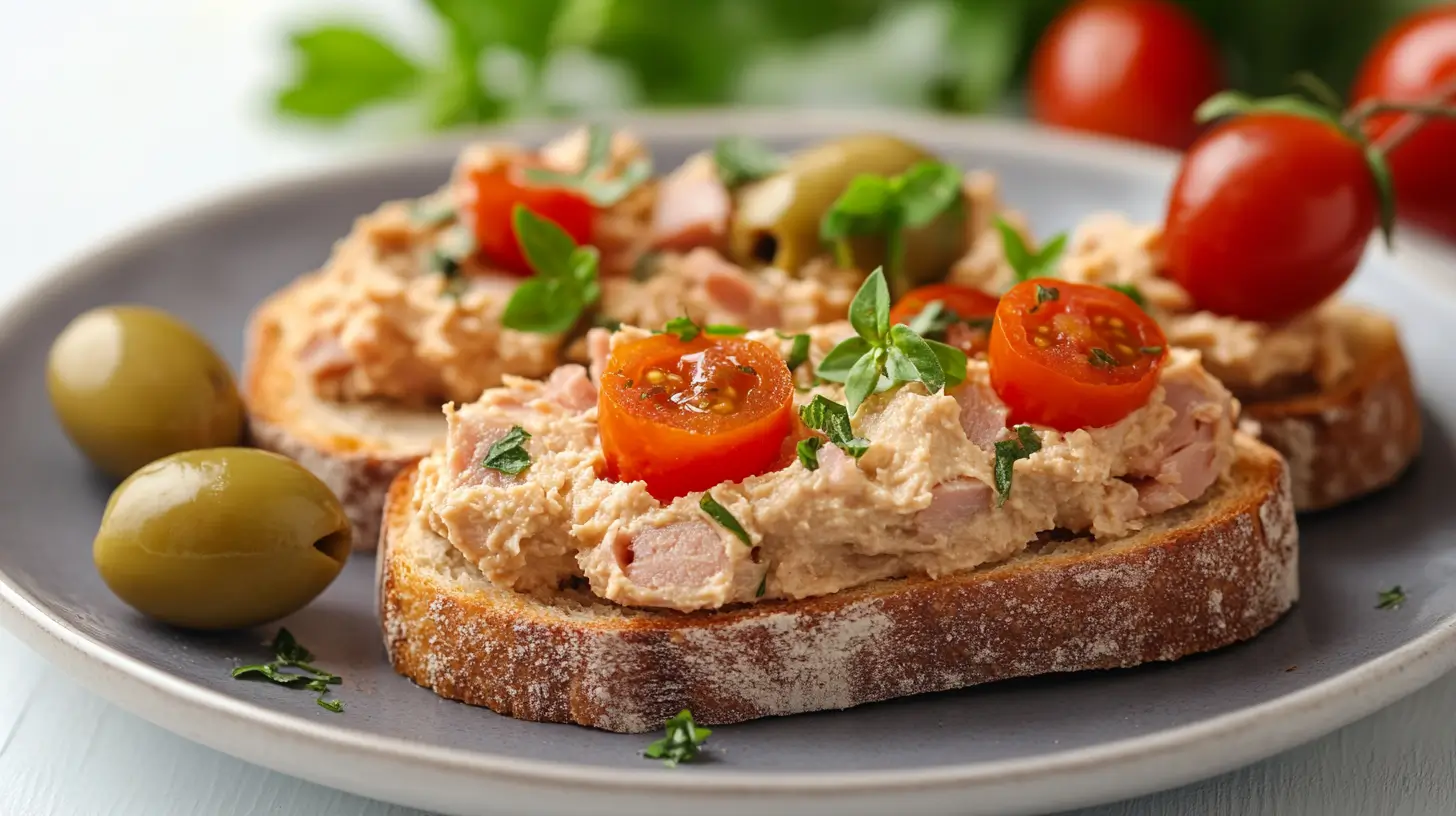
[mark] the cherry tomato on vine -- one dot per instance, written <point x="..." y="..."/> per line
<point x="1416" y="62"/>
<point x="497" y="191"/>
<point x="968" y="305"/>
<point x="1269" y="215"/>
<point x="1071" y="355"/>
<point x="1131" y="68"/>
<point x="687" y="415"/>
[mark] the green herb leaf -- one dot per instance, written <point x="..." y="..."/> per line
<point x="1025" y="263"/>
<point x="1045" y="294"/>
<point x="952" y="362"/>
<point x="863" y="379"/>
<point x="342" y="70"/>
<point x="287" y="648"/>
<point x="741" y="160"/>
<point x="726" y="329"/>
<point x="537" y="306"/>
<point x="592" y="180"/>
<point x="547" y="247"/>
<point x="1391" y="598"/>
<point x="720" y="514"/>
<point x="927" y="190"/>
<point x="798" y="352"/>
<point x="1099" y="358"/>
<point x="832" y="419"/>
<point x="508" y="454"/>
<point x="869" y="312"/>
<point x="933" y="320"/>
<point x="565" y="284"/>
<point x="684" y="327"/>
<point x="1134" y="294"/>
<point x="762" y="586"/>
<point x="866" y="207"/>
<point x="920" y="355"/>
<point x="1151" y="350"/>
<point x="289" y="653"/>
<point x="682" y="743"/>
<point x="336" y="706"/>
<point x="1385" y="191"/>
<point x="836" y="364"/>
<point x="808" y="450"/>
<point x="1008" y="451"/>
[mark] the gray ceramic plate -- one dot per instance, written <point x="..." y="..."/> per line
<point x="1011" y="747"/>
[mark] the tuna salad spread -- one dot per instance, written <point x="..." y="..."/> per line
<point x="1255" y="359"/>
<point x="503" y="270"/>
<point x="694" y="467"/>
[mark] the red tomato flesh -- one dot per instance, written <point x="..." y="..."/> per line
<point x="498" y="191"/>
<point x="968" y="303"/>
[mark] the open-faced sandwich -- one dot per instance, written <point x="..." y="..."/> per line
<point x="769" y="523"/>
<point x="503" y="270"/>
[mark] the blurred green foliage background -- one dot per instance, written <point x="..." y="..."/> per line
<point x="498" y="59"/>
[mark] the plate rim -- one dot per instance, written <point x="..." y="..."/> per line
<point x="1203" y="748"/>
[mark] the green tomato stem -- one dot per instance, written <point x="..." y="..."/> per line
<point x="1416" y="115"/>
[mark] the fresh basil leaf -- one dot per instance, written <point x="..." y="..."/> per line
<point x="606" y="192"/>
<point x="682" y="743"/>
<point x="920" y="356"/>
<point x="898" y="368"/>
<point x="547" y="247"/>
<point x="720" y="514"/>
<point x="583" y="265"/>
<point x="927" y="190"/>
<point x="1017" y="255"/>
<point x="952" y="362"/>
<point x="508" y="454"/>
<point x="836" y="364"/>
<point x="741" y="160"/>
<point x="542" y="306"/>
<point x="1391" y="598"/>
<point x="866" y="207"/>
<point x="272" y="673"/>
<point x="808" y="450"/>
<point x="342" y="70"/>
<point x="1049" y="254"/>
<point x="933" y="320"/>
<point x="863" y="380"/>
<point x="1008" y="452"/>
<point x="832" y="419"/>
<point x="869" y="312"/>
<point x="798" y="352"/>
<point x="336" y="706"/>
<point x="286" y="647"/>
<point x="684" y="327"/>
<point x="1133" y="293"/>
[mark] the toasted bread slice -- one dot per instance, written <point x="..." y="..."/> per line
<point x="1356" y="437"/>
<point x="356" y="449"/>
<point x="1198" y="578"/>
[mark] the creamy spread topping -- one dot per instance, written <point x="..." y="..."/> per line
<point x="919" y="501"/>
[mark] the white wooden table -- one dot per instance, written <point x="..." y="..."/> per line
<point x="114" y="110"/>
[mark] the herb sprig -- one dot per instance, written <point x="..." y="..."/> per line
<point x="720" y="514"/>
<point x="741" y="160"/>
<point x="687" y="330"/>
<point x="592" y="179"/>
<point x="831" y="419"/>
<point x="565" y="284"/>
<point x="1025" y="263"/>
<point x="683" y="742"/>
<point x="882" y="356"/>
<point x="288" y="654"/>
<point x="1391" y="598"/>
<point x="1008" y="451"/>
<point x="887" y="206"/>
<point x="508" y="454"/>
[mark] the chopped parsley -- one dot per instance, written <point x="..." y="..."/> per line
<point x="1391" y="598"/>
<point x="1025" y="263"/>
<point x="832" y="419"/>
<point x="748" y="369"/>
<point x="724" y="328"/>
<point x="798" y="352"/>
<point x="682" y="743"/>
<point x="448" y="257"/>
<point x="1134" y="294"/>
<point x="1045" y="294"/>
<point x="762" y="586"/>
<point x="720" y="514"/>
<point x="611" y="324"/>
<point x="688" y="331"/>
<point x="288" y="653"/>
<point x="808" y="450"/>
<point x="1099" y="358"/>
<point x="741" y="160"/>
<point x="591" y="180"/>
<point x="508" y="454"/>
<point x="1151" y="351"/>
<point x="1008" y="451"/>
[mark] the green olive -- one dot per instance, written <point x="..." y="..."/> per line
<point x="221" y="539"/>
<point x="132" y="384"/>
<point x="776" y="220"/>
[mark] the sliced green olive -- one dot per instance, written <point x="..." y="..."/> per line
<point x="221" y="539"/>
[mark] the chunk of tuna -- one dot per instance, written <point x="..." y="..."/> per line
<point x="681" y="554"/>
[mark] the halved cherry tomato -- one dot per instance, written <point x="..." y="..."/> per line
<point x="497" y="192"/>
<point x="1069" y="355"/>
<point x="1130" y="68"/>
<point x="966" y="302"/>
<point x="1416" y="62"/>
<point x="1269" y="215"/>
<point x="685" y="416"/>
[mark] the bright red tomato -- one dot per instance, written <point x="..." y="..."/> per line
<point x="498" y="191"/>
<point x="1269" y="215"/>
<point x="1131" y="68"/>
<point x="1069" y="355"/>
<point x="685" y="416"/>
<point x="967" y="303"/>
<point x="1416" y="62"/>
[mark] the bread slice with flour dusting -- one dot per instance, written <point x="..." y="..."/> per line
<point x="1209" y="574"/>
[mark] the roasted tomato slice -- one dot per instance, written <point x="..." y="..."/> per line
<point x="687" y="415"/>
<point x="1068" y="355"/>
<point x="498" y="191"/>
<point x="971" y="307"/>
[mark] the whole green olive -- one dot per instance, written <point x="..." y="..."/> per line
<point x="776" y="220"/>
<point x="221" y="539"/>
<point x="131" y="384"/>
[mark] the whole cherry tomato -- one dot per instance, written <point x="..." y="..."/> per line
<point x="497" y="192"/>
<point x="1416" y="62"/>
<point x="1269" y="215"/>
<point x="1131" y="68"/>
<point x="1071" y="355"/>
<point x="969" y="308"/>
<point x="687" y="415"/>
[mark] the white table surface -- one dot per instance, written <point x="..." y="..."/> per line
<point x="114" y="110"/>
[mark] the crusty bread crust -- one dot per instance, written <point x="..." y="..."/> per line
<point x="1357" y="437"/>
<point x="1204" y="576"/>
<point x="357" y="467"/>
